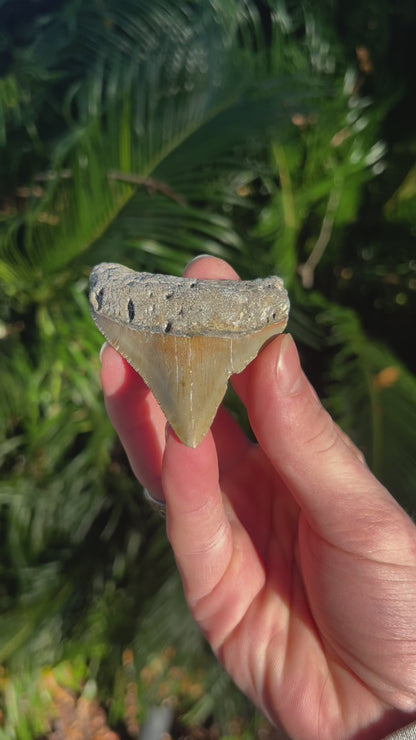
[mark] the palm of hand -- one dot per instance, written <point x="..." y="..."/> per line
<point x="304" y="651"/>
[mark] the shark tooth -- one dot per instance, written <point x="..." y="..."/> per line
<point x="184" y="336"/>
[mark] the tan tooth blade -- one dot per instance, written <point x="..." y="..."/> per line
<point x="186" y="337"/>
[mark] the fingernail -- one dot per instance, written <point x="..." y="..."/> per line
<point x="102" y="350"/>
<point x="288" y="370"/>
<point x="195" y="259"/>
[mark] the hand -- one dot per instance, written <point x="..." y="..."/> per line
<point x="297" y="564"/>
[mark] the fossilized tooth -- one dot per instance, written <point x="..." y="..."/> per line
<point x="184" y="336"/>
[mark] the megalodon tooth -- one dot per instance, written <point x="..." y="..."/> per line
<point x="185" y="336"/>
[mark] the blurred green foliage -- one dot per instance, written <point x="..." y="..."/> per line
<point x="278" y="135"/>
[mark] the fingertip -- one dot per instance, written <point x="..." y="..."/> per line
<point x="289" y="374"/>
<point x="281" y="404"/>
<point x="260" y="372"/>
<point x="189" y="474"/>
<point x="206" y="267"/>
<point x="101" y="353"/>
<point x="171" y="437"/>
<point x="189" y="460"/>
<point x="114" y="370"/>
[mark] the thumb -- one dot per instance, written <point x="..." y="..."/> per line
<point x="318" y="463"/>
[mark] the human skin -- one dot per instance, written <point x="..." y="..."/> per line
<point x="297" y="564"/>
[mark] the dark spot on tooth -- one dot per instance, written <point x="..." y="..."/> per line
<point x="193" y="285"/>
<point x="99" y="298"/>
<point x="168" y="327"/>
<point x="274" y="315"/>
<point x="168" y="295"/>
<point x="130" y="309"/>
<point x="180" y="312"/>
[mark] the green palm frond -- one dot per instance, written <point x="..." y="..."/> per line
<point x="373" y="396"/>
<point x="177" y="107"/>
<point x="74" y="214"/>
